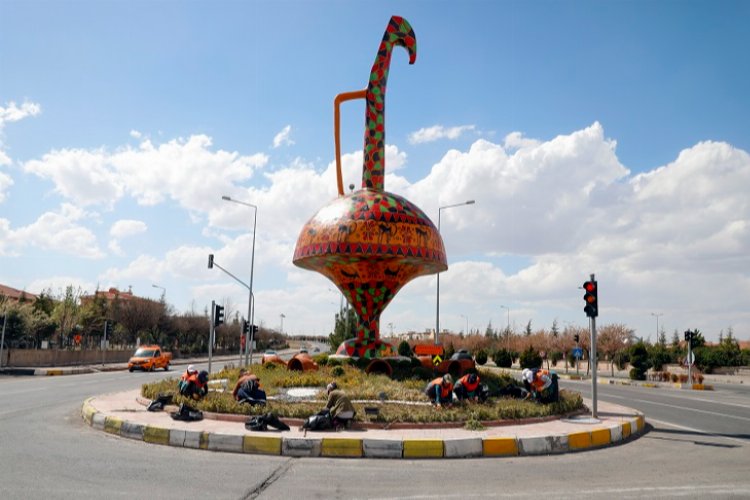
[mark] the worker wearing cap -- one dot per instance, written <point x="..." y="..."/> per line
<point x="341" y="408"/>
<point x="467" y="387"/>
<point x="182" y="384"/>
<point x="440" y="390"/>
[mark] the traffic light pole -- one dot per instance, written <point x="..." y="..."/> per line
<point x="594" y="363"/>
<point x="211" y="334"/>
<point x="690" y="360"/>
<point x="104" y="344"/>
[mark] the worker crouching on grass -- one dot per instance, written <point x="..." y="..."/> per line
<point x="467" y="388"/>
<point x="541" y="384"/>
<point x="440" y="390"/>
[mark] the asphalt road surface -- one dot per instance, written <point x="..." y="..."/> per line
<point x="698" y="447"/>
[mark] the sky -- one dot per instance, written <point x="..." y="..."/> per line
<point x="595" y="137"/>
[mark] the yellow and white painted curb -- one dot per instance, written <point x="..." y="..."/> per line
<point x="598" y="436"/>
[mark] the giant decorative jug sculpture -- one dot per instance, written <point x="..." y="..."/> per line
<point x="370" y="243"/>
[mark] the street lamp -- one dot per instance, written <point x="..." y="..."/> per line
<point x="466" y="332"/>
<point x="251" y="297"/>
<point x="163" y="291"/>
<point x="657" y="323"/>
<point x="282" y="316"/>
<point x="507" y="329"/>
<point x="437" y="300"/>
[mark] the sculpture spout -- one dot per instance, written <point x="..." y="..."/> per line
<point x="398" y="32"/>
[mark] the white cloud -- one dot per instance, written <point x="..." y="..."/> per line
<point x="127" y="227"/>
<point x="437" y="132"/>
<point x="13" y="113"/>
<point x="283" y="137"/>
<point x="184" y="170"/>
<point x="5" y="182"/>
<point x="54" y="231"/>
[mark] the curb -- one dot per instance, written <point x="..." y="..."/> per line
<point x="332" y="447"/>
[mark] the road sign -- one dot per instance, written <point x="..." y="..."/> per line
<point x="428" y="350"/>
<point x="436" y="360"/>
<point x="577" y="353"/>
<point x="690" y="359"/>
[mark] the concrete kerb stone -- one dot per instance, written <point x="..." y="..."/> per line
<point x="382" y="448"/>
<point x="463" y="448"/>
<point x="495" y="446"/>
<point x="301" y="447"/>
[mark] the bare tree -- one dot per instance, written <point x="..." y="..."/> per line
<point x="611" y="339"/>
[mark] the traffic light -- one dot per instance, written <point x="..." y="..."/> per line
<point x="210" y="261"/>
<point x="576" y="338"/>
<point x="590" y="297"/>
<point x="109" y="327"/>
<point x="218" y="315"/>
<point x="245" y="327"/>
<point x="255" y="329"/>
<point x="688" y="335"/>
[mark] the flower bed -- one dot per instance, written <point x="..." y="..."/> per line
<point x="397" y="401"/>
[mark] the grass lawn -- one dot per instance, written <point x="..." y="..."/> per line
<point x="404" y="399"/>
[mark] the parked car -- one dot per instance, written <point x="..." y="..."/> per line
<point x="149" y="358"/>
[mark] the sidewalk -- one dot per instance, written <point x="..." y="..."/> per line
<point x="124" y="414"/>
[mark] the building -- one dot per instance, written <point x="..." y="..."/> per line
<point x="15" y="295"/>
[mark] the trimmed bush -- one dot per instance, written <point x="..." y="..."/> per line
<point x="530" y="358"/>
<point x="404" y="349"/>
<point x="481" y="357"/>
<point x="503" y="358"/>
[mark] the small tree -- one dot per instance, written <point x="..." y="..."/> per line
<point x="530" y="358"/>
<point x="639" y="361"/>
<point x="404" y="349"/>
<point x="481" y="357"/>
<point x="503" y="358"/>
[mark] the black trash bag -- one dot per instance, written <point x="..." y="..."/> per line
<point x="256" y="423"/>
<point x="252" y="401"/>
<point x="513" y="391"/>
<point x="483" y="393"/>
<point x="319" y="422"/>
<point x="160" y="402"/>
<point x="187" y="413"/>
<point x="273" y="421"/>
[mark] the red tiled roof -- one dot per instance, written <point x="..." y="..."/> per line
<point x="14" y="294"/>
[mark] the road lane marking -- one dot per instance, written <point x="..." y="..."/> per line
<point x="712" y="413"/>
<point x="699" y="431"/>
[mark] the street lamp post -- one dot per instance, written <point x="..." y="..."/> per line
<point x="437" y="299"/>
<point x="507" y="328"/>
<point x="282" y="316"/>
<point x="466" y="332"/>
<point x="163" y="291"/>
<point x="657" y="324"/>
<point x="251" y="297"/>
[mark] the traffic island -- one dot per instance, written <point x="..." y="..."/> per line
<point x="123" y="415"/>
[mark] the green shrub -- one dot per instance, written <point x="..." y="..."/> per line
<point x="481" y="357"/>
<point x="555" y="357"/>
<point x="503" y="358"/>
<point x="639" y="360"/>
<point x="321" y="359"/>
<point x="404" y="349"/>
<point x="530" y="358"/>
<point x="337" y="371"/>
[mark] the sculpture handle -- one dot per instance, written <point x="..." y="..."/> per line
<point x="345" y="96"/>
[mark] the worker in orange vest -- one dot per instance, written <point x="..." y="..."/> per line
<point x="196" y="385"/>
<point x="467" y="387"/>
<point x="440" y="390"/>
<point x="541" y="384"/>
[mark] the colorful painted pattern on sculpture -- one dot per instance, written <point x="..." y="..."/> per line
<point x="370" y="243"/>
<point x="398" y="32"/>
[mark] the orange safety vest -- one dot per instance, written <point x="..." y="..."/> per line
<point x="445" y="390"/>
<point x="540" y="379"/>
<point x="194" y="379"/>
<point x="464" y="381"/>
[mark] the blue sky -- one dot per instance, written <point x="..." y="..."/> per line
<point x="606" y="137"/>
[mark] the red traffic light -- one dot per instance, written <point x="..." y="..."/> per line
<point x="592" y="306"/>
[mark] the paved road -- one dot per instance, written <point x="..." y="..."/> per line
<point x="47" y="452"/>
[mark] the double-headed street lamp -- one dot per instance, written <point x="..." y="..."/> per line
<point x="657" y="324"/>
<point x="163" y="291"/>
<point x="251" y="297"/>
<point x="437" y="300"/>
